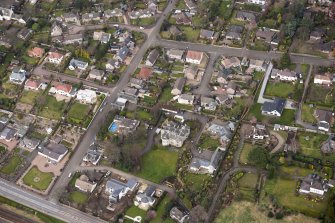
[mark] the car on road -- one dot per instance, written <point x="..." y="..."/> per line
<point x="141" y="27"/>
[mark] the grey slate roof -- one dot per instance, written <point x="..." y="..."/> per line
<point x="278" y="105"/>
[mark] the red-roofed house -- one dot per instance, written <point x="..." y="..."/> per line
<point x="36" y="52"/>
<point x="32" y="85"/>
<point x="55" y="57"/>
<point x="194" y="57"/>
<point x="145" y="73"/>
<point x="62" y="89"/>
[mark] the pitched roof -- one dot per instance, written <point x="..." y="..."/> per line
<point x="277" y="104"/>
<point x="145" y="73"/>
<point x="32" y="84"/>
<point x="64" y="87"/>
<point x="194" y="55"/>
<point x="55" y="55"/>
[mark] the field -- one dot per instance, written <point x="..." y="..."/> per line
<point x="29" y="97"/>
<point x="13" y="163"/>
<point x="37" y="179"/>
<point x="78" y="197"/>
<point x="52" y="109"/>
<point x="158" y="164"/>
<point x="249" y="212"/>
<point x="78" y="113"/>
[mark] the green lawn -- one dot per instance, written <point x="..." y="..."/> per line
<point x="320" y="95"/>
<point x="279" y="89"/>
<point x="78" y="197"/>
<point x="158" y="164"/>
<point x="307" y="114"/>
<point x="294" y="171"/>
<point x="166" y="95"/>
<point x="249" y="180"/>
<point x="247" y="147"/>
<point x="13" y="163"/>
<point x="195" y="181"/>
<point x="143" y="21"/>
<point x="37" y="179"/>
<point x="144" y="115"/>
<point x="134" y="211"/>
<point x="255" y="111"/>
<point x="287" y="118"/>
<point x="78" y="113"/>
<point x="53" y="109"/>
<point x="191" y="34"/>
<point x="161" y="209"/>
<point x="29" y="97"/>
<point x="208" y="142"/>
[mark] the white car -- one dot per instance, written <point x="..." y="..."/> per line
<point x="141" y="27"/>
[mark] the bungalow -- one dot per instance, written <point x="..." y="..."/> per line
<point x="8" y="134"/>
<point x="186" y="99"/>
<point x="206" y="166"/>
<point x="178" y="86"/>
<point x="96" y="74"/>
<point x="144" y="199"/>
<point x="52" y="151"/>
<point x="267" y="35"/>
<point x="174" y="134"/>
<point x="87" y="96"/>
<point x="246" y="16"/>
<point x="117" y="189"/>
<point x="284" y="75"/>
<point x="62" y="89"/>
<point x="323" y="79"/>
<point x="152" y="57"/>
<point x="70" y="17"/>
<point x="29" y="143"/>
<point x="178" y="215"/>
<point x="102" y="37"/>
<point x="18" y="76"/>
<point x="234" y="33"/>
<point x="175" y="54"/>
<point x="274" y="108"/>
<point x="77" y="64"/>
<point x="194" y="57"/>
<point x="231" y="62"/>
<point x="92" y="16"/>
<point x="122" y="54"/>
<point x="314" y="184"/>
<point x="36" y="52"/>
<point x="93" y="155"/>
<point x="145" y="73"/>
<point x="55" y="57"/>
<point x="32" y="85"/>
<point x="208" y="103"/>
<point x="123" y="125"/>
<point x="84" y="184"/>
<point x="206" y="34"/>
<point x="324" y="119"/>
<point x="116" y="12"/>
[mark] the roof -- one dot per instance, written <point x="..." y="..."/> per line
<point x="175" y="52"/>
<point x="84" y="183"/>
<point x="96" y="72"/>
<point x="174" y="30"/>
<point x="204" y="33"/>
<point x="32" y="84"/>
<point x="54" y="150"/>
<point x="245" y="15"/>
<point x="78" y="63"/>
<point x="55" y="55"/>
<point x="123" y="52"/>
<point x="179" y="83"/>
<point x="153" y="56"/>
<point x="265" y="34"/>
<point x="37" y="51"/>
<point x="194" y="55"/>
<point x="116" y="186"/>
<point x="323" y="115"/>
<point x="145" y="73"/>
<point x="277" y="104"/>
<point x="236" y="29"/>
<point x="8" y="133"/>
<point x="64" y="87"/>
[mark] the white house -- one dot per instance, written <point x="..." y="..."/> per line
<point x="18" y="76"/>
<point x="117" y="189"/>
<point x="55" y="58"/>
<point x="87" y="96"/>
<point x="273" y="108"/>
<point x="257" y="2"/>
<point x="194" y="57"/>
<point x="52" y="151"/>
<point x="77" y="64"/>
<point x="324" y="79"/>
<point x="62" y="89"/>
<point x="284" y="75"/>
<point x="186" y="99"/>
<point x="314" y="184"/>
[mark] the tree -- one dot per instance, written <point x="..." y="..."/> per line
<point x="35" y="27"/>
<point x="198" y="214"/>
<point x="285" y="61"/>
<point x="258" y="156"/>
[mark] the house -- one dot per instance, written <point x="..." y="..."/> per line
<point x="178" y="86"/>
<point x="6" y="13"/>
<point x="56" y="29"/>
<point x="174" y="134"/>
<point x="231" y="62"/>
<point x="77" y="64"/>
<point x="246" y="16"/>
<point x="220" y="129"/>
<point x="87" y="96"/>
<point x="117" y="189"/>
<point x="52" y="151"/>
<point x="145" y="73"/>
<point x="257" y="2"/>
<point x="183" y="19"/>
<point x="8" y="134"/>
<point x="62" y="89"/>
<point x="284" y="75"/>
<point x="29" y="143"/>
<point x="257" y="65"/>
<point x="267" y="35"/>
<point x="325" y="47"/>
<point x="208" y="103"/>
<point x="324" y="119"/>
<point x="234" y="33"/>
<point x="206" y="166"/>
<point x="130" y="94"/>
<point x="186" y="99"/>
<point x="24" y="33"/>
<point x="102" y="37"/>
<point x="178" y="215"/>
<point x="91" y="16"/>
<point x="313" y="184"/>
<point x="70" y="17"/>
<point x="274" y="108"/>
<point x="152" y="57"/>
<point x="328" y="147"/>
<point x="222" y="98"/>
<point x="18" y="76"/>
<point x="96" y="74"/>
<point x="136" y="83"/>
<point x="116" y="12"/>
<point x="32" y="85"/>
<point x="72" y="39"/>
<point x="93" y="155"/>
<point x="258" y="131"/>
<point x="55" y="57"/>
<point x="36" y="52"/>
<point x="190" y="4"/>
<point x="123" y="53"/>
<point x="5" y="41"/>
<point x="152" y="6"/>
<point x="144" y="199"/>
<point x="317" y="34"/>
<point x="123" y="125"/>
<point x="206" y="34"/>
<point x="194" y="57"/>
<point x="84" y="184"/>
<point x="323" y="79"/>
<point x="112" y="64"/>
<point x="175" y="54"/>
<point x="191" y="72"/>
<point x="141" y="13"/>
<point x="175" y="31"/>
<point x="231" y="88"/>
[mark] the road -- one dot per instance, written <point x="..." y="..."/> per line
<point x="261" y="99"/>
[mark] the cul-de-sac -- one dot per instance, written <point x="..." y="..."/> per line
<point x="163" y="111"/>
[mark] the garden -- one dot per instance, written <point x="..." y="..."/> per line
<point x="37" y="179"/>
<point x="11" y="166"/>
<point x="79" y="114"/>
<point x="29" y="97"/>
<point x="51" y="108"/>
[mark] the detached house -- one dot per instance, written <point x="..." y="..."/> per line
<point x="96" y="74"/>
<point x="194" y="57"/>
<point x="186" y="99"/>
<point x="267" y="35"/>
<point x="52" y="151"/>
<point x="62" y="89"/>
<point x="257" y="65"/>
<point x="70" y="17"/>
<point x="175" y="54"/>
<point x="18" y="76"/>
<point x="123" y="125"/>
<point x="284" y="75"/>
<point x="36" y="52"/>
<point x="323" y="79"/>
<point x="117" y="189"/>
<point x="246" y="16"/>
<point x="102" y="37"/>
<point x="113" y="13"/>
<point x="77" y="64"/>
<point x="93" y="155"/>
<point x="122" y="54"/>
<point x="56" y="29"/>
<point x="145" y="73"/>
<point x="152" y="57"/>
<point x="178" y="86"/>
<point x="55" y="58"/>
<point x="84" y="184"/>
<point x="274" y="108"/>
<point x="92" y="16"/>
<point x="234" y="33"/>
<point x="32" y="85"/>
<point x="179" y="215"/>
<point x="314" y="184"/>
<point x="144" y="199"/>
<point x="208" y="103"/>
<point x="87" y="96"/>
<point x="174" y="134"/>
<point x="324" y="119"/>
<point x="206" y="34"/>
<point x="206" y="166"/>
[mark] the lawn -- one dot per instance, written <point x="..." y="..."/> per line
<point x="52" y="109"/>
<point x="78" y="197"/>
<point x="158" y="164"/>
<point x="307" y="114"/>
<point x="144" y="115"/>
<point x="134" y="211"/>
<point x="279" y="89"/>
<point x="195" y="181"/>
<point x="78" y="113"/>
<point x="255" y="111"/>
<point x="320" y="95"/>
<point x="161" y="209"/>
<point x="191" y="34"/>
<point x="166" y="95"/>
<point x="143" y="21"/>
<point x="244" y="211"/>
<point x="287" y="118"/>
<point x="37" y="179"/>
<point x="249" y="180"/>
<point x="247" y="147"/>
<point x="295" y="171"/>
<point x="13" y="163"/>
<point x="29" y="97"/>
<point x="207" y="142"/>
